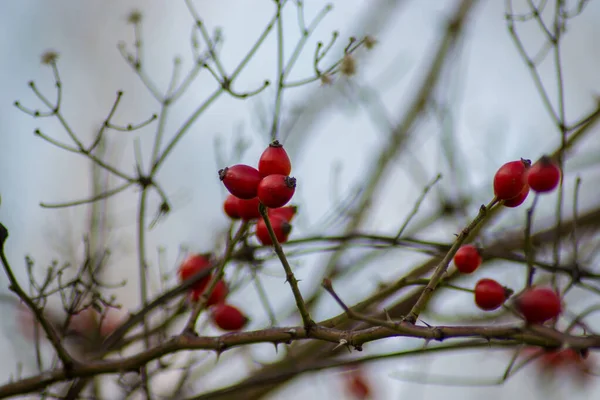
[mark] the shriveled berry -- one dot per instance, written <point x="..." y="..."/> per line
<point x="489" y="294"/>
<point x="231" y="207"/>
<point x="280" y="226"/>
<point x="241" y="180"/>
<point x="517" y="201"/>
<point x="275" y="191"/>
<point x="288" y="212"/>
<point x="467" y="259"/>
<point x="191" y="266"/>
<point x="538" y="305"/>
<point x="274" y="161"/>
<point x="510" y="179"/>
<point x="228" y="317"/>
<point x="218" y="295"/>
<point x="544" y="175"/>
<point x="248" y="209"/>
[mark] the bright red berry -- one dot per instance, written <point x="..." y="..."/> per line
<point x="228" y="317"/>
<point x="191" y="266"/>
<point x="231" y="207"/>
<point x="517" y="201"/>
<point x="280" y="226"/>
<point x="467" y="259"/>
<point x="538" y="305"/>
<point x="544" y="175"/>
<point x="248" y="209"/>
<point x="275" y="191"/>
<point x="489" y="294"/>
<point x="288" y="212"/>
<point x="510" y="179"/>
<point x="274" y="161"/>
<point x="218" y="295"/>
<point x="241" y="180"/>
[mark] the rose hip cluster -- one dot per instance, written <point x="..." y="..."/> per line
<point x="512" y="184"/>
<point x="270" y="185"/>
<point x="514" y="179"/>
<point x="225" y="316"/>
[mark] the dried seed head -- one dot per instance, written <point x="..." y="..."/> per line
<point x="348" y="66"/>
<point x="326" y="80"/>
<point x="369" y="42"/>
<point x="49" y="57"/>
<point x="134" y="17"/>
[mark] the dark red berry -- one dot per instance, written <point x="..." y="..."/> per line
<point x="228" y="317"/>
<point x="280" y="226"/>
<point x="274" y="161"/>
<point x="191" y="266"/>
<point x="288" y="212"/>
<point x="241" y="180"/>
<point x="489" y="294"/>
<point x="467" y="259"/>
<point x="544" y="175"/>
<point x="231" y="207"/>
<point x="275" y="191"/>
<point x="248" y="209"/>
<point x="510" y="179"/>
<point x="517" y="201"/>
<point x="538" y="305"/>
<point x="218" y="295"/>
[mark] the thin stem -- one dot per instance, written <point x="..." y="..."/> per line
<point x="443" y="265"/>
<point x="289" y="274"/>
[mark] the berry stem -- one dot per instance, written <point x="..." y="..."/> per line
<point x="290" y="278"/>
<point x="442" y="267"/>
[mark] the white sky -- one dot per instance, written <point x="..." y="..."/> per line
<point x="498" y="116"/>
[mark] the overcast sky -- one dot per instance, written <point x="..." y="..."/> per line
<point x="497" y="113"/>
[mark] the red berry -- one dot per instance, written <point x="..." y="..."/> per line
<point x="228" y="317"/>
<point x="231" y="207"/>
<point x="248" y="209"/>
<point x="517" y="201"/>
<point x="510" y="179"/>
<point x="275" y="191"/>
<point x="467" y="259"/>
<point x="274" y="161"/>
<point x="288" y="212"/>
<point x="281" y="228"/>
<point x="358" y="387"/>
<point x="544" y="175"/>
<point x="241" y="180"/>
<point x="218" y="295"/>
<point x="539" y="305"/>
<point x="489" y="294"/>
<point x="191" y="266"/>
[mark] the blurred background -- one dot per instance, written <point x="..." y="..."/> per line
<point x="484" y="111"/>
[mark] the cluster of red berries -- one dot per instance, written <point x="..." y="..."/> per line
<point x="537" y="305"/>
<point x="270" y="185"/>
<point x="512" y="184"/>
<point x="225" y="316"/>
<point x="514" y="179"/>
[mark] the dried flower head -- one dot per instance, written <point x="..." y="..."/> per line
<point x="326" y="80"/>
<point x="134" y="17"/>
<point x="348" y="66"/>
<point x="49" y="57"/>
<point x="369" y="42"/>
